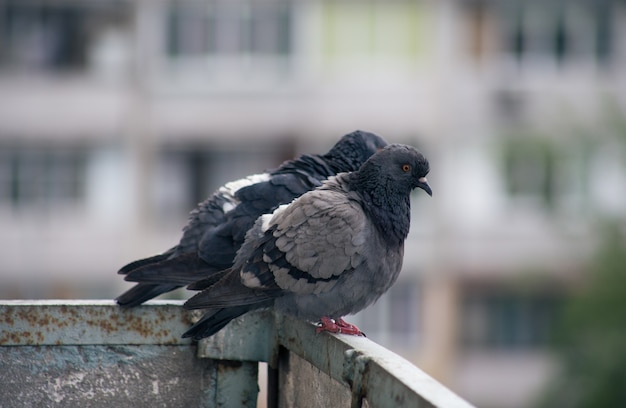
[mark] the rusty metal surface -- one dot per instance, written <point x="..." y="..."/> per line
<point x="96" y="354"/>
<point x="77" y="322"/>
<point x="92" y="353"/>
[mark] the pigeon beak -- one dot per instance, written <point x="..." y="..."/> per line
<point x="422" y="183"/>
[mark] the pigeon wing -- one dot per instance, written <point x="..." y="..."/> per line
<point x="309" y="244"/>
<point x="220" y="242"/>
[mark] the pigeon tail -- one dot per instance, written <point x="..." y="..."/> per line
<point x="181" y="271"/>
<point x="208" y="281"/>
<point x="142" y="292"/>
<point x="124" y="270"/>
<point x="215" y="320"/>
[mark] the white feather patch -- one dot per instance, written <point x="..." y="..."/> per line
<point x="266" y="219"/>
<point x="250" y="280"/>
<point x="229" y="190"/>
<point x="228" y="206"/>
<point x="233" y="186"/>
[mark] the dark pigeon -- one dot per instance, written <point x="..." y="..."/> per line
<point x="217" y="227"/>
<point x="330" y="253"/>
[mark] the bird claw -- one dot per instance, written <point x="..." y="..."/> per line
<point x="338" y="326"/>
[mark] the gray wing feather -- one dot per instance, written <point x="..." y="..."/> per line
<point x="335" y="223"/>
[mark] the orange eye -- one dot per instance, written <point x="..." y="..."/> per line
<point x="406" y="168"/>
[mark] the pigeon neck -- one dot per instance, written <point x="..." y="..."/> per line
<point x="393" y="220"/>
<point x="388" y="208"/>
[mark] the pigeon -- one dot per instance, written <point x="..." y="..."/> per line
<point x="217" y="227"/>
<point x="331" y="252"/>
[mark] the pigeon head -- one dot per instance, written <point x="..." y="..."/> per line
<point x="385" y="182"/>
<point x="353" y="149"/>
<point x="396" y="168"/>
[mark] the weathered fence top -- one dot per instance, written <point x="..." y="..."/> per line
<point x="367" y="371"/>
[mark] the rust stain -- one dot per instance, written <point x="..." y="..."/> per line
<point x="17" y="336"/>
<point x="108" y="326"/>
<point x="107" y="320"/>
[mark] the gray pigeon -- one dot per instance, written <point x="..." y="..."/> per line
<point x="217" y="227"/>
<point x="331" y="252"/>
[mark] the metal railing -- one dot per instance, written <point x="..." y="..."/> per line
<point x="93" y="354"/>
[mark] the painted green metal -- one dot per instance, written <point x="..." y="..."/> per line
<point x="248" y="338"/>
<point x="372" y="372"/>
<point x="236" y="383"/>
<point x="369" y="370"/>
<point x="94" y="353"/>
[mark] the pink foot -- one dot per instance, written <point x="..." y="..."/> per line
<point x="338" y="326"/>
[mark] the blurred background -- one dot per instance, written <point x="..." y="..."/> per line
<point x="117" y="117"/>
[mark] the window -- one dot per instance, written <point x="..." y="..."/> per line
<point x="478" y="25"/>
<point x="530" y="170"/>
<point x="398" y="29"/>
<point x="504" y="319"/>
<point x="233" y="27"/>
<point x="42" y="178"/>
<point x="51" y="36"/>
<point x="187" y="175"/>
<point x="558" y="32"/>
<point x="394" y="318"/>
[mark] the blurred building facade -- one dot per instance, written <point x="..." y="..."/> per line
<point x="117" y="117"/>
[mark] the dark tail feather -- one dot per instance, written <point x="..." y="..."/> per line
<point x="230" y="292"/>
<point x="182" y="270"/>
<point x="208" y="281"/>
<point x="142" y="292"/>
<point x="142" y="262"/>
<point x="214" y="321"/>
